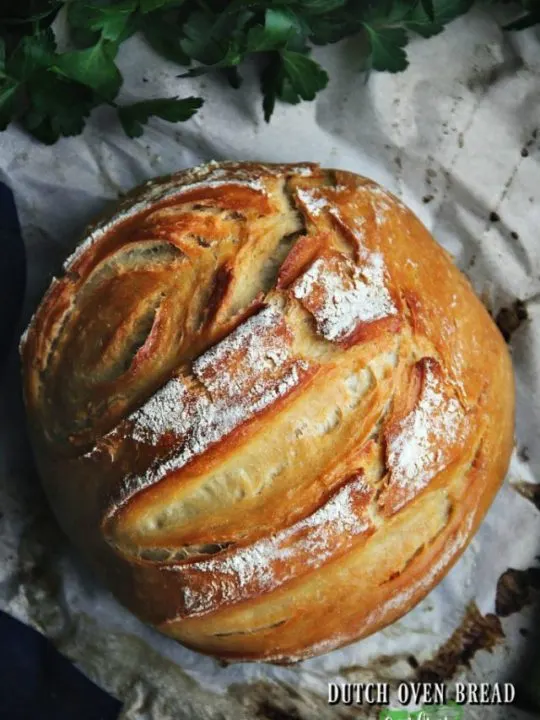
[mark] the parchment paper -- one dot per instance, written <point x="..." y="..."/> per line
<point x="455" y="137"/>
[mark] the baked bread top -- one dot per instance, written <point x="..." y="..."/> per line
<point x="267" y="406"/>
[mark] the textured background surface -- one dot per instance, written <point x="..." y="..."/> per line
<point x="456" y="137"/>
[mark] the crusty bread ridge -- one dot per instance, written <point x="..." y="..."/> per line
<point x="267" y="407"/>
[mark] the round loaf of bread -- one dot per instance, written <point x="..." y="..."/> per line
<point x="267" y="407"/>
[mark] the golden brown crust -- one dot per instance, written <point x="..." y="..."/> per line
<point x="267" y="407"/>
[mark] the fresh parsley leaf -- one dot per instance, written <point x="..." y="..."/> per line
<point x="199" y="42"/>
<point x="389" y="13"/>
<point x="228" y="10"/>
<point x="387" y="48"/>
<point x="80" y="34"/>
<point x="40" y="127"/>
<point x="147" y="6"/>
<point x="52" y="92"/>
<point x="287" y="93"/>
<point x="280" y="24"/>
<point x="305" y="75"/>
<point x="418" y="21"/>
<point x="320" y="7"/>
<point x="428" y="8"/>
<point x="163" y="36"/>
<point x="133" y="117"/>
<point x="33" y="53"/>
<point x="233" y="77"/>
<point x="108" y="22"/>
<point x="271" y="83"/>
<point x="216" y="40"/>
<point x="414" y="16"/>
<point x="94" y="67"/>
<point x="291" y="77"/>
<point x="9" y="90"/>
<point x="325" y="30"/>
<point x="230" y="60"/>
<point x="48" y="116"/>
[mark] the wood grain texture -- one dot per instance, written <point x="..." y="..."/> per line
<point x="267" y="407"/>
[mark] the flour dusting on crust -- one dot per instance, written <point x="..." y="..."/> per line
<point x="164" y="412"/>
<point x="420" y="447"/>
<point x="269" y="562"/>
<point x="341" y="295"/>
<point x="241" y="376"/>
<point x="314" y="203"/>
<point x="302" y="170"/>
<point x="253" y="352"/>
<point x="397" y="601"/>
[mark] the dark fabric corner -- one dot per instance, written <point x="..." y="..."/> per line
<point x="38" y="683"/>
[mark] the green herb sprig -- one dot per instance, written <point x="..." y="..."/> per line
<point x="50" y="92"/>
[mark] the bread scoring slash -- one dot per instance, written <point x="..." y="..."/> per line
<point x="267" y="407"/>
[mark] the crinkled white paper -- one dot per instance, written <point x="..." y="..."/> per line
<point x="454" y="137"/>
